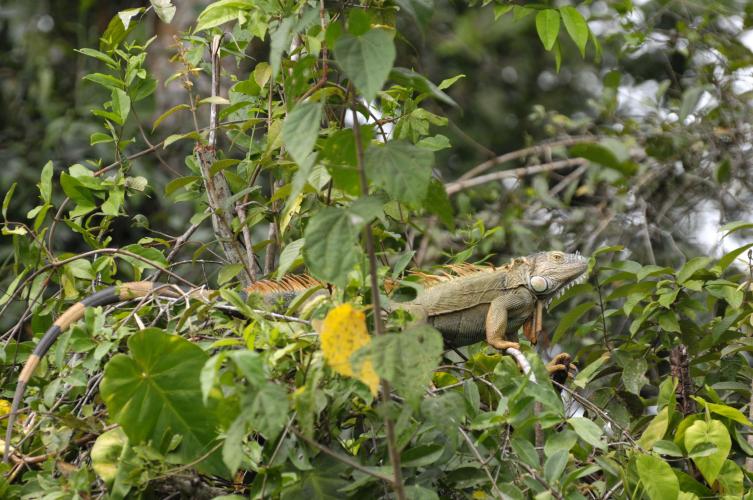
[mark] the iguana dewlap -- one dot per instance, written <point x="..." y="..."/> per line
<point x="487" y="303"/>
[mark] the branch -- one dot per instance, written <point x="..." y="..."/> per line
<point x="218" y="190"/>
<point x="522" y="153"/>
<point x="459" y="185"/>
<point x="342" y="458"/>
<point x="482" y="462"/>
<point x="397" y="483"/>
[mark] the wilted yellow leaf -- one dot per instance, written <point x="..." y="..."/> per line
<point x="342" y="333"/>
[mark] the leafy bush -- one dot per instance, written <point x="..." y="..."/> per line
<point x="321" y="156"/>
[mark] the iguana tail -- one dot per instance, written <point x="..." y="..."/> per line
<point x="285" y="289"/>
<point x="110" y="295"/>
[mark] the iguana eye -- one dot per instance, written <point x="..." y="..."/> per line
<point x="538" y="283"/>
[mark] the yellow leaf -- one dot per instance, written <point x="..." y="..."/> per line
<point x="342" y="333"/>
<point x="4" y="407"/>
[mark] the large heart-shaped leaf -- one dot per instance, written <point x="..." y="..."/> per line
<point x="366" y="59"/>
<point x="330" y="250"/>
<point x="402" y="169"/>
<point x="301" y="128"/>
<point x="407" y="359"/>
<point x="154" y="394"/>
<point x="714" y="433"/>
<point x="657" y="477"/>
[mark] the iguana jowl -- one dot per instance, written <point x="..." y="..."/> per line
<point x="479" y="303"/>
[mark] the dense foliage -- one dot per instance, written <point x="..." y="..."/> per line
<point x="354" y="142"/>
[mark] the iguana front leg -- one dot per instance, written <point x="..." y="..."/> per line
<point x="496" y="325"/>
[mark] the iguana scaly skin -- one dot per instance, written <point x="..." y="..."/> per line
<point x="470" y="305"/>
<point x="493" y="303"/>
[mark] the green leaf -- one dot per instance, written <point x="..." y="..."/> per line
<point x="330" y="250"/>
<point x="366" y="60"/>
<point x="449" y="82"/>
<point x="725" y="411"/>
<point x="228" y="272"/>
<point x="107" y="81"/>
<point x="501" y="10"/>
<point x="99" y="138"/>
<point x="420" y="83"/>
<point x="730" y="480"/>
<point x="407" y="359"/>
<point x="525" y="451"/>
<point x="154" y="394"/>
<point x="75" y="190"/>
<point x="178" y="137"/>
<point x="364" y="210"/>
<point x="735" y="226"/>
<point x="279" y="43"/>
<point x="555" y="465"/>
<point x="288" y="256"/>
<point x="586" y="375"/>
<point x="232" y="448"/>
<point x="267" y="411"/>
<point x="114" y="202"/>
<point x="316" y="484"/>
<point x="250" y="365"/>
<point x="106" y="454"/>
<point x="167" y="113"/>
<point x="576" y="27"/>
<point x="422" y="455"/>
<point x="401" y="169"/>
<point x="569" y="319"/>
<point x="604" y="154"/>
<point x="664" y="447"/>
<point x="164" y="9"/>
<point x="121" y="104"/>
<point x="690" y="100"/>
<point x="438" y="202"/>
<point x="657" y="477"/>
<point x="691" y="267"/>
<point x="714" y="433"/>
<point x="45" y="183"/>
<point x="634" y="375"/>
<point x="730" y="257"/>
<point x="434" y="143"/>
<point x="548" y="27"/>
<point x="152" y="255"/>
<point x="588" y="432"/>
<point x="221" y="12"/>
<point x="101" y="56"/>
<point x="119" y="27"/>
<point x="125" y="16"/>
<point x="301" y="128"/>
<point x="563" y="440"/>
<point x="6" y="199"/>
<point x="655" y="429"/>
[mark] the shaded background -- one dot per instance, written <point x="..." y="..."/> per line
<point x="672" y="87"/>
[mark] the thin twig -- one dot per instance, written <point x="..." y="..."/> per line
<point x="375" y="301"/>
<point x="342" y="458"/>
<point x="522" y="153"/>
<point x="459" y="185"/>
<point x="482" y="462"/>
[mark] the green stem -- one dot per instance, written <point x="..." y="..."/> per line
<point x="397" y="483"/>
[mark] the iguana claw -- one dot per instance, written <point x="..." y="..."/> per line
<point x="561" y="367"/>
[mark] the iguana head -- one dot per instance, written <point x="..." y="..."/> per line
<point x="551" y="273"/>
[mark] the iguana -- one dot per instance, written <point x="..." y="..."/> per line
<point x="472" y="304"/>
